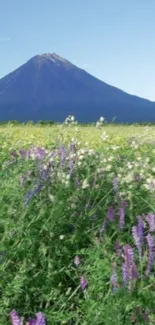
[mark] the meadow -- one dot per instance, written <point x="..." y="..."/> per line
<point x="77" y="224"/>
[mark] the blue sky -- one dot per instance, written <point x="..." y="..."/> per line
<point x="111" y="39"/>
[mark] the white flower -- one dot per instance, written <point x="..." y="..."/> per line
<point x="73" y="205"/>
<point x="51" y="197"/>
<point x="61" y="237"/>
<point x="85" y="184"/>
<point x="81" y="157"/>
<point x="79" y="163"/>
<point x="108" y="168"/>
<point x="101" y="118"/>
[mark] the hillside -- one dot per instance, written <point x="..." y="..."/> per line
<point x="50" y="87"/>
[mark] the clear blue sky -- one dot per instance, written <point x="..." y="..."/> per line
<point x="112" y="39"/>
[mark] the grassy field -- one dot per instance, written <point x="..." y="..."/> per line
<point x="77" y="225"/>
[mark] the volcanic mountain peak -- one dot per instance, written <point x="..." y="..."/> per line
<point x="51" y="57"/>
<point x="49" y="87"/>
<point x="54" y="57"/>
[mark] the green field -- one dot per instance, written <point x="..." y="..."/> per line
<point x="77" y="224"/>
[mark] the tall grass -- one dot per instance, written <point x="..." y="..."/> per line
<point x="69" y="241"/>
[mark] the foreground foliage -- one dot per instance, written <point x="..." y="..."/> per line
<point x="77" y="224"/>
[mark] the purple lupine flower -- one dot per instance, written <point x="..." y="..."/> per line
<point x="71" y="165"/>
<point x="31" y="322"/>
<point x="111" y="213"/>
<point x="83" y="283"/>
<point x="40" y="319"/>
<point x="44" y="173"/>
<point x="121" y="220"/>
<point x="150" y="243"/>
<point x="114" y="277"/>
<point x="135" y="274"/>
<point x="63" y="156"/>
<point x="28" y="197"/>
<point x="15" y="319"/>
<point x="124" y="204"/>
<point x="137" y="241"/>
<point x="125" y="273"/>
<point x="115" y="184"/>
<point x="140" y="229"/>
<point x="118" y="248"/>
<point x="40" y="153"/>
<point x="151" y="221"/>
<point x="30" y="194"/>
<point x="76" y="260"/>
<point x="129" y="259"/>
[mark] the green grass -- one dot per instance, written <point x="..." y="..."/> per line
<point x="40" y="238"/>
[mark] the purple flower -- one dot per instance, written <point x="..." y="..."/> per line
<point x="125" y="273"/>
<point x="15" y="319"/>
<point x="32" y="322"/>
<point x="151" y="221"/>
<point x="135" y="274"/>
<point x="121" y="220"/>
<point x="40" y="319"/>
<point x="30" y="194"/>
<point x="137" y="241"/>
<point x="129" y="261"/>
<point x="76" y="260"/>
<point x="71" y="165"/>
<point x="83" y="283"/>
<point x="150" y="243"/>
<point x="63" y="156"/>
<point x="110" y="213"/>
<point x="40" y="153"/>
<point x="140" y="228"/>
<point x="115" y="183"/>
<point x="114" y="277"/>
<point x="124" y="204"/>
<point x="118" y="248"/>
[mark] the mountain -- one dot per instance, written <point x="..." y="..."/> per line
<point x="48" y="87"/>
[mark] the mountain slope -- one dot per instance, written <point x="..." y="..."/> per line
<point x="50" y="87"/>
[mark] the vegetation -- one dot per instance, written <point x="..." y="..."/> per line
<point x="77" y="224"/>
